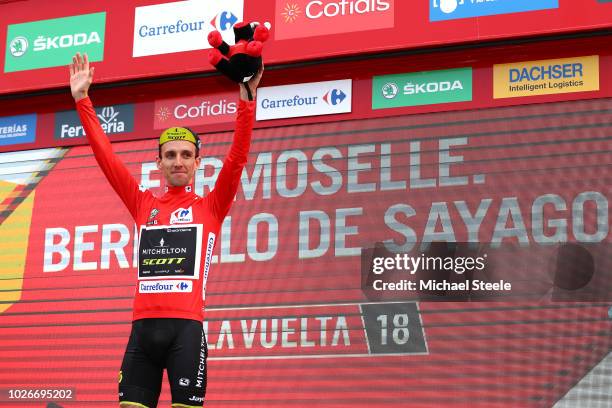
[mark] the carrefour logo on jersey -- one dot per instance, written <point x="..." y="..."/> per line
<point x="546" y="77"/>
<point x="113" y="119"/>
<point x="310" y="99"/>
<point x="51" y="43"/>
<point x="308" y="18"/>
<point x="195" y="110"/>
<point x="440" y="10"/>
<point x="183" y="25"/>
<point x="422" y="88"/>
<point x="165" y="286"/>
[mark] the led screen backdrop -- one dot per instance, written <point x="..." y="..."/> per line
<point x="288" y="322"/>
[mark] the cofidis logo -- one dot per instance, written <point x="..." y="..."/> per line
<point x="546" y="77"/>
<point x="51" y="43"/>
<point x="183" y="25"/>
<point x="308" y="18"/>
<point x="310" y="99"/>
<point x="195" y="110"/>
<point x="440" y="10"/>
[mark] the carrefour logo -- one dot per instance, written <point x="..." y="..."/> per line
<point x="334" y="97"/>
<point x="454" y="9"/>
<point x="316" y="98"/>
<point x="183" y="25"/>
<point x="223" y="21"/>
<point x="165" y="286"/>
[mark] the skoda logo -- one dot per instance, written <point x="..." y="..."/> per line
<point x="389" y="90"/>
<point x="19" y="46"/>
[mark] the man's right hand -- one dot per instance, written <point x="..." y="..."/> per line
<point x="81" y="76"/>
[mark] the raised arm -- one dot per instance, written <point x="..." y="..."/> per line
<point x="221" y="198"/>
<point x="81" y="77"/>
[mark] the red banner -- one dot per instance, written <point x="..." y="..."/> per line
<point x="302" y="30"/>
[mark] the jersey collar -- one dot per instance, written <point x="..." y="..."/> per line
<point x="179" y="189"/>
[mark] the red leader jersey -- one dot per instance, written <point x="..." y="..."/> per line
<point x="177" y="231"/>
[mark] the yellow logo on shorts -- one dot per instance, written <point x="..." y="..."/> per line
<point x="120" y="376"/>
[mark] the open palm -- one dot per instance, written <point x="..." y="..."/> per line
<point x="81" y="76"/>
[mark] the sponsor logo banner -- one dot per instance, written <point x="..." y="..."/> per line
<point x="195" y="110"/>
<point x="165" y="286"/>
<point x="318" y="331"/>
<point x="546" y="77"/>
<point x="52" y="43"/>
<point x="310" y="99"/>
<point x="308" y="18"/>
<point x="183" y="25"/>
<point x="17" y="129"/>
<point x="440" y="10"/>
<point x="422" y="88"/>
<point x="114" y="119"/>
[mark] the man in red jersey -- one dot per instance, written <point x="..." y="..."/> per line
<point x="177" y="234"/>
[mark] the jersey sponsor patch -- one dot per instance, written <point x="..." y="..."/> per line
<point x="210" y="245"/>
<point x="182" y="216"/>
<point x="168" y="252"/>
<point x="165" y="286"/>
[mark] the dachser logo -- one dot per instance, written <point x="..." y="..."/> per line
<point x="302" y="18"/>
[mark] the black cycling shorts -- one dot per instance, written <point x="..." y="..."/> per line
<point x="178" y="345"/>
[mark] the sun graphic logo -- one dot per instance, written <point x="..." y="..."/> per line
<point x="163" y="114"/>
<point x="291" y="12"/>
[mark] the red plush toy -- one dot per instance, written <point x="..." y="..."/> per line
<point x="241" y="61"/>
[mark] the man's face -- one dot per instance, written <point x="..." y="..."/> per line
<point x="178" y="162"/>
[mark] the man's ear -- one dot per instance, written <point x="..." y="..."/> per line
<point x="158" y="162"/>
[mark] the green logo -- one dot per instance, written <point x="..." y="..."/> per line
<point x="422" y="88"/>
<point x="52" y="43"/>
